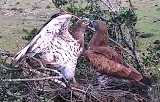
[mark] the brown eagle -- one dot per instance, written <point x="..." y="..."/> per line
<point x="55" y="46"/>
<point x="108" y="61"/>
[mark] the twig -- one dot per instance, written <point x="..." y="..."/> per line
<point x="71" y="96"/>
<point x="103" y="18"/>
<point x="87" y="88"/>
<point x="121" y="47"/>
<point x="38" y="62"/>
<point x="80" y="90"/>
<point x="50" y="90"/>
<point x="64" y="98"/>
<point x="33" y="79"/>
<point x="108" y="5"/>
<point x="46" y="75"/>
<point x="155" y="85"/>
<point x="92" y="30"/>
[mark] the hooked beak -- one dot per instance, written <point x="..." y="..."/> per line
<point x="87" y="21"/>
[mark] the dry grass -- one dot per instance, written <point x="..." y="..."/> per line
<point x="16" y="15"/>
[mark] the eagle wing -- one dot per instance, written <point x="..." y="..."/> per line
<point x="48" y="32"/>
<point x="110" y="54"/>
<point x="104" y="65"/>
<point x="45" y="35"/>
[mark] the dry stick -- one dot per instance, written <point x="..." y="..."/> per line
<point x="87" y="88"/>
<point x="82" y="92"/>
<point x="103" y="18"/>
<point x="132" y="48"/>
<point x="76" y="89"/>
<point x="71" y="96"/>
<point x="51" y="99"/>
<point x="49" y="69"/>
<point x="33" y="90"/>
<point x="156" y="85"/>
<point x="64" y="98"/>
<point x="33" y="79"/>
<point x="78" y="93"/>
<point x="49" y="90"/>
<point x="137" y="57"/>
<point x="55" y="80"/>
<point x="36" y="79"/>
<point x="76" y="17"/>
<point x="38" y="62"/>
<point x="92" y="30"/>
<point x="122" y="48"/>
<point x="45" y="75"/>
<point x="118" y="3"/>
<point x="108" y="5"/>
<point x="35" y="71"/>
<point x="42" y="74"/>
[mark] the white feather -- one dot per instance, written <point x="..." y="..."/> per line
<point x="22" y="52"/>
<point x="47" y="33"/>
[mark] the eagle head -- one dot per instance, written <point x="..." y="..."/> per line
<point x="83" y="23"/>
<point x="98" y="25"/>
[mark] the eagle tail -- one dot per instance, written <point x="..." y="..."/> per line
<point x="146" y="82"/>
<point x="19" y="56"/>
<point x="141" y="80"/>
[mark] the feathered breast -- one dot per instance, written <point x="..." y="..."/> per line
<point x="62" y="50"/>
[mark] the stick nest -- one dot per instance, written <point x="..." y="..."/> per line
<point x="44" y="84"/>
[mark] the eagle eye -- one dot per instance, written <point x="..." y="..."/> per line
<point x="83" y="22"/>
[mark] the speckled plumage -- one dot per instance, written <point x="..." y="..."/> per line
<point x="55" y="46"/>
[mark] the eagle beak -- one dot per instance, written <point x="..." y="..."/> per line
<point x="91" y="23"/>
<point x="86" y="21"/>
<point x="94" y="23"/>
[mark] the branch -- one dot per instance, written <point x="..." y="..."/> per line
<point x="109" y="5"/>
<point x="121" y="47"/>
<point x="46" y="75"/>
<point x="113" y="41"/>
<point x="33" y="79"/>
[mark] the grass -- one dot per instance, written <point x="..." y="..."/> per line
<point x="22" y="14"/>
<point x="32" y="15"/>
<point x="147" y="13"/>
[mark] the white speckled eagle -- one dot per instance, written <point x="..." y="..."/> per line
<point x="55" y="45"/>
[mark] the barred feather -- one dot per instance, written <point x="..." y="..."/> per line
<point x="42" y="39"/>
<point x="56" y="46"/>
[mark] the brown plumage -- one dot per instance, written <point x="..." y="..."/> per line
<point x="118" y="49"/>
<point x="100" y="39"/>
<point x="55" y="45"/>
<point x="107" y="61"/>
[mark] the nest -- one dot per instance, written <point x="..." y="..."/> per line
<point x="44" y="84"/>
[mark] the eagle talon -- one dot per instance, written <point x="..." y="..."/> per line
<point x="70" y="83"/>
<point x="66" y="81"/>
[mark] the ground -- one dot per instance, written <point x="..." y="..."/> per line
<point x="16" y="15"/>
